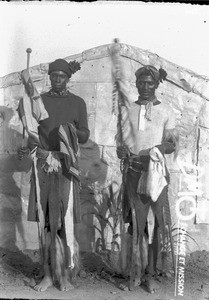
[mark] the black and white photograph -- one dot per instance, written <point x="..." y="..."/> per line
<point x="104" y="150"/>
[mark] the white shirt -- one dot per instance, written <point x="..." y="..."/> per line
<point x="162" y="118"/>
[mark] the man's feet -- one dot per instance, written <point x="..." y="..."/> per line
<point x="151" y="284"/>
<point x="65" y="285"/>
<point x="45" y="283"/>
<point x="123" y="287"/>
<point x="137" y="281"/>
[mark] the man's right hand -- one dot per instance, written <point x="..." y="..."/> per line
<point x="23" y="152"/>
<point x="122" y="152"/>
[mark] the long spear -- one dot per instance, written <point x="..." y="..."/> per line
<point x="125" y="138"/>
<point x="24" y="140"/>
<point x="28" y="97"/>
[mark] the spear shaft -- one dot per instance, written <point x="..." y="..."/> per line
<point x="121" y="101"/>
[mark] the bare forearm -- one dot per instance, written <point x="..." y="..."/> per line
<point x="166" y="147"/>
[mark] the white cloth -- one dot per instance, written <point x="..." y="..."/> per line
<point x="31" y="108"/>
<point x="69" y="225"/>
<point x="150" y="225"/>
<point x="141" y="118"/>
<point x="162" y="118"/>
<point x="156" y="174"/>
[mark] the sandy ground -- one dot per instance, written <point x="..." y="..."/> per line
<point x="19" y="272"/>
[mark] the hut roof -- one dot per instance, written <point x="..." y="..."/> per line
<point x="177" y="75"/>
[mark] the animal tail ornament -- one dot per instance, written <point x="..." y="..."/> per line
<point x="120" y="100"/>
<point x="124" y="137"/>
<point x="31" y="109"/>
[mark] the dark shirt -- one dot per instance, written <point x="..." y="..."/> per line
<point x="62" y="109"/>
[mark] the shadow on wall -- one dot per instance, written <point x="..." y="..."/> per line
<point x="99" y="202"/>
<point x="14" y="178"/>
<point x="93" y="176"/>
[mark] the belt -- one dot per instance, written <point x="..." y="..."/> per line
<point x="135" y="165"/>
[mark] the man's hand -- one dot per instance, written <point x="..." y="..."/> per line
<point x="122" y="152"/>
<point x="41" y="153"/>
<point x="82" y="135"/>
<point x="23" y="152"/>
<point x="32" y="143"/>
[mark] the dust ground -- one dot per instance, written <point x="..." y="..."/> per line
<point x="20" y="271"/>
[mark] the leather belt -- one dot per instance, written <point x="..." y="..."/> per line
<point x="135" y="165"/>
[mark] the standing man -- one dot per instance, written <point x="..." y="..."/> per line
<point x="58" y="171"/>
<point x="154" y="128"/>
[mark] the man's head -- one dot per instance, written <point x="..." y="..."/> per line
<point x="60" y="72"/>
<point x="147" y="81"/>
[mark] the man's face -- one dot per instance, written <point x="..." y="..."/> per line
<point x="59" y="80"/>
<point x="146" y="86"/>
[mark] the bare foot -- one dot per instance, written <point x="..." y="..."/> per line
<point x="44" y="284"/>
<point x="137" y="281"/>
<point x="65" y="285"/>
<point x="151" y="284"/>
<point x="123" y="287"/>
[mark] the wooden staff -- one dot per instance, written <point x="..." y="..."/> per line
<point x="117" y="66"/>
<point x="28" y="50"/>
<point x="41" y="221"/>
<point x="24" y="140"/>
<point x="133" y="211"/>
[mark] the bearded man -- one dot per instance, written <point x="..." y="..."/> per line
<point x="153" y="125"/>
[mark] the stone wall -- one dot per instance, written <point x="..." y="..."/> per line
<point x="188" y="95"/>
